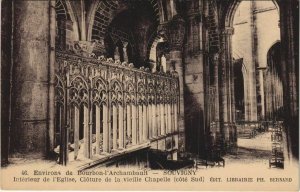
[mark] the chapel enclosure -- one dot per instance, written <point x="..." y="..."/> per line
<point x="105" y="106"/>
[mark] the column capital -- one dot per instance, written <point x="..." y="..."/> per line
<point x="124" y="44"/>
<point x="228" y="31"/>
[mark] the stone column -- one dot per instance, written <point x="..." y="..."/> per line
<point x="231" y="105"/>
<point x="76" y="131"/>
<point x="227" y="35"/>
<point x="121" y="127"/>
<point x="162" y="119"/>
<point x="140" y="126"/>
<point x="6" y="34"/>
<point x="86" y="132"/>
<point x="169" y="118"/>
<point x="158" y="123"/>
<point x="115" y="127"/>
<point x="145" y="123"/>
<point x="134" y="125"/>
<point x="149" y="117"/>
<point x="253" y="77"/>
<point x="215" y="127"/>
<point x="176" y="32"/>
<point x="153" y="120"/>
<point x="262" y="92"/>
<point x="129" y="128"/>
<point x="105" y="130"/>
<point x="98" y="128"/>
<point x="289" y="26"/>
<point x="225" y="85"/>
<point x="233" y="138"/>
<point x="83" y="20"/>
<point x="30" y="81"/>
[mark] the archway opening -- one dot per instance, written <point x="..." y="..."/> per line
<point x="256" y="28"/>
<point x="289" y="56"/>
<point x="239" y="85"/>
<point x="128" y="33"/>
<point x="257" y="71"/>
<point x="65" y="26"/>
<point x="273" y="85"/>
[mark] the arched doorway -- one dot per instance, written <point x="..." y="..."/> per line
<point x="127" y="30"/>
<point x="289" y="51"/>
<point x="251" y="40"/>
<point x="273" y="85"/>
<point x="239" y="85"/>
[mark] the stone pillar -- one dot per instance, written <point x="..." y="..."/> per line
<point x="158" y="123"/>
<point x="83" y="20"/>
<point x="230" y="84"/>
<point x="149" y="116"/>
<point x="6" y="33"/>
<point x="173" y="8"/>
<point x="128" y="121"/>
<point x="121" y="127"/>
<point x="86" y="133"/>
<point x="231" y="95"/>
<point x="76" y="131"/>
<point x="115" y="126"/>
<point x="169" y="118"/>
<point x="253" y="77"/>
<point x="175" y="118"/>
<point x="30" y="81"/>
<point x="176" y="32"/>
<point x="98" y="123"/>
<point x="140" y="123"/>
<point x="153" y="120"/>
<point x="105" y="130"/>
<point x="262" y="92"/>
<point x="231" y="104"/>
<point x="215" y="127"/>
<point x="162" y="119"/>
<point x="289" y="25"/>
<point x="224" y="90"/>
<point x="226" y="94"/>
<point x="134" y="125"/>
<point x="52" y="68"/>
<point x="145" y="123"/>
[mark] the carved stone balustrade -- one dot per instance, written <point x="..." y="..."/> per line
<point x="103" y="106"/>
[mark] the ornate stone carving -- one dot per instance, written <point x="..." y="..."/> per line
<point x="228" y="31"/>
<point x="88" y="49"/>
<point x="176" y="31"/>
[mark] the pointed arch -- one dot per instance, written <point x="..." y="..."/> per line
<point x="67" y="26"/>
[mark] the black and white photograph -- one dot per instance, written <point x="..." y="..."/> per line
<point x="150" y="95"/>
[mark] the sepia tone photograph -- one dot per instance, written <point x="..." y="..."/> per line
<point x="150" y="95"/>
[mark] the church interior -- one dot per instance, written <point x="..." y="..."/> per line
<point x="179" y="83"/>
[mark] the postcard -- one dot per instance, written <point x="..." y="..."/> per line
<point x="150" y="95"/>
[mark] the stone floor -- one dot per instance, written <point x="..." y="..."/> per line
<point x="250" y="160"/>
<point x="253" y="152"/>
